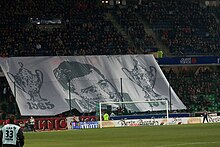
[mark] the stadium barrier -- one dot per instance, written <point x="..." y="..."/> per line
<point x="42" y="124"/>
<point x="148" y="116"/>
<point x="85" y="125"/>
<point x="64" y="123"/>
<point x="151" y="122"/>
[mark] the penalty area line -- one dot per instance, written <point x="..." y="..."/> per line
<point x="185" y="144"/>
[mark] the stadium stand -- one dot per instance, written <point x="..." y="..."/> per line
<point x="128" y="19"/>
<point x="186" y="27"/>
<point x="197" y="87"/>
<point x="59" y="28"/>
<point x="83" y="26"/>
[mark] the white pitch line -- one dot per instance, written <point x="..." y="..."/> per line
<point x="184" y="144"/>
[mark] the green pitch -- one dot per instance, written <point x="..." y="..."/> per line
<point x="199" y="135"/>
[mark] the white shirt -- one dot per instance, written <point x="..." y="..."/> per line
<point x="32" y="121"/>
<point x="10" y="132"/>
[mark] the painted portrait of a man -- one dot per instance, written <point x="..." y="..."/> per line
<point x="87" y="83"/>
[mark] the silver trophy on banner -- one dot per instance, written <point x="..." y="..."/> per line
<point x="28" y="82"/>
<point x="145" y="78"/>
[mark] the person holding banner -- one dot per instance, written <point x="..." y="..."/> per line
<point x="11" y="135"/>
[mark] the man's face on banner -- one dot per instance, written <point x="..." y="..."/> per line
<point x="93" y="88"/>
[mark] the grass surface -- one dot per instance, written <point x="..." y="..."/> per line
<point x="199" y="135"/>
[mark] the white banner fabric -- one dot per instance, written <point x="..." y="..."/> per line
<point x="47" y="85"/>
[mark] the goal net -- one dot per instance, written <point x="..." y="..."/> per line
<point x="131" y="110"/>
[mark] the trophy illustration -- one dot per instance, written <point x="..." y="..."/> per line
<point x="28" y="82"/>
<point x="144" y="78"/>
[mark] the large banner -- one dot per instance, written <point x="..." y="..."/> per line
<point x="48" y="85"/>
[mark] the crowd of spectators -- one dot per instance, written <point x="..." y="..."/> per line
<point x="198" y="88"/>
<point x="83" y="31"/>
<point x="186" y="27"/>
<point x="128" y="19"/>
<point x="7" y="100"/>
